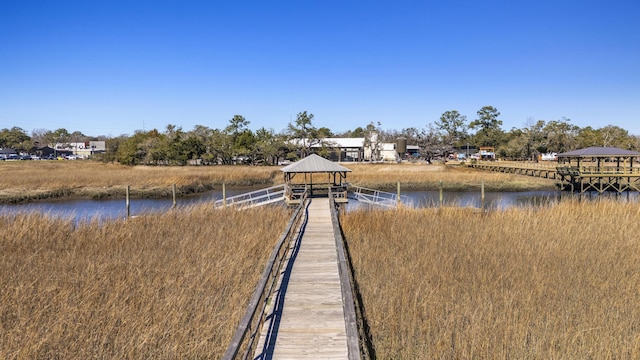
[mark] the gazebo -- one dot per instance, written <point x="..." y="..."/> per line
<point x="600" y="169"/>
<point x="314" y="168"/>
<point x="599" y="155"/>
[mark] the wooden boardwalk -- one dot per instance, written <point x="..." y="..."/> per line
<point x="543" y="171"/>
<point x="575" y="178"/>
<point x="306" y="319"/>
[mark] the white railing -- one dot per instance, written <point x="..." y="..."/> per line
<point x="254" y="198"/>
<point x="381" y="198"/>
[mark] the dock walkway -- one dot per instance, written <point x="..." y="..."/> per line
<point x="306" y="320"/>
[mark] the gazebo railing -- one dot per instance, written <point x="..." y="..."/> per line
<point x="339" y="193"/>
<point x="597" y="170"/>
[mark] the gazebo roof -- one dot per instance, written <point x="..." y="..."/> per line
<point x="596" y="151"/>
<point x="314" y="164"/>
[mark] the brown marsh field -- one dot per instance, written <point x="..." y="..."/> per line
<point x="35" y="180"/>
<point x="557" y="282"/>
<point x="162" y="286"/>
<point x="24" y="181"/>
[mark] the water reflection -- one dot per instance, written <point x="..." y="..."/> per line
<point x="115" y="208"/>
<point x="492" y="200"/>
<point x="85" y="209"/>
<point x="501" y="200"/>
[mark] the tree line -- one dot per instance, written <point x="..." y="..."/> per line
<point x="238" y="144"/>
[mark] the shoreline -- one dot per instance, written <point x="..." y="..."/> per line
<point x="88" y="193"/>
<point x="25" y="183"/>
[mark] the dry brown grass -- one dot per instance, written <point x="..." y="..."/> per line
<point x="169" y="285"/>
<point x="34" y="180"/>
<point x="428" y="177"/>
<point x="524" y="283"/>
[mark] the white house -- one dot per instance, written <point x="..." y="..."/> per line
<point x="359" y="149"/>
<point x="82" y="149"/>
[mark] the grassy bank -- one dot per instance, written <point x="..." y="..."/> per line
<point x="428" y="177"/>
<point x="524" y="283"/>
<point x="36" y="180"/>
<point x="159" y="286"/>
<point x="40" y="180"/>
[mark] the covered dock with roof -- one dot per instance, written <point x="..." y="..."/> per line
<point x="315" y="175"/>
<point x="599" y="169"/>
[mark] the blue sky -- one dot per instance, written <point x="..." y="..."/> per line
<point x="107" y="67"/>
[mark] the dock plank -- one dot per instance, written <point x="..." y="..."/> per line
<point x="308" y="321"/>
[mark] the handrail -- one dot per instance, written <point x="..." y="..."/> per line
<point x="254" y="198"/>
<point x="378" y="197"/>
<point x="595" y="170"/>
<point x="251" y="322"/>
<point x="346" y="286"/>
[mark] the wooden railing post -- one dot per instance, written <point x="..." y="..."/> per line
<point x="127" y="202"/>
<point x="173" y="206"/>
<point x="224" y="195"/>
<point x="482" y="194"/>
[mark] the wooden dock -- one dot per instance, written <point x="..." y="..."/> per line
<point x="306" y="320"/>
<point x="599" y="178"/>
<point x="580" y="179"/>
<point x="528" y="169"/>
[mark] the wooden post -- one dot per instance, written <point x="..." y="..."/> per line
<point x="398" y="198"/>
<point x="482" y="194"/>
<point x="128" y="203"/>
<point x="224" y="195"/>
<point x="173" y="190"/>
<point x="441" y="193"/>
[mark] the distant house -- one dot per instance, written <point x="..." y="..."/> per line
<point x="4" y="153"/>
<point x="343" y="149"/>
<point x="81" y="149"/>
<point x="413" y="150"/>
<point x="42" y="152"/>
<point x="487" y="153"/>
<point x="358" y="149"/>
<point x="389" y="152"/>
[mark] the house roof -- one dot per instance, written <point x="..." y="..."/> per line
<point x="342" y="142"/>
<point x="596" y="151"/>
<point x="314" y="164"/>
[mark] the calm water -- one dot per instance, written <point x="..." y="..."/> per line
<point x="115" y="208"/>
<point x="492" y="200"/>
<point x="110" y="209"/>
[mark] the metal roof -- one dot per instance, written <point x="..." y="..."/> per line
<point x="596" y="151"/>
<point x="314" y="164"/>
<point x="342" y="142"/>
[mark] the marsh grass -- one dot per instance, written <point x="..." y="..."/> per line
<point x="428" y="177"/>
<point x="171" y="285"/>
<point x="35" y="180"/>
<point x="39" y="180"/>
<point x="556" y="282"/>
